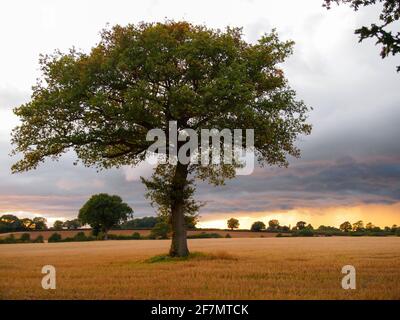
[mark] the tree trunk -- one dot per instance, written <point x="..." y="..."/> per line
<point x="179" y="246"/>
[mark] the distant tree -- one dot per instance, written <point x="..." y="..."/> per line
<point x="160" y="230"/>
<point x="58" y="225"/>
<point x="301" y="225"/>
<point x="27" y="224"/>
<point x="381" y="31"/>
<point x="309" y="227"/>
<point x="369" y="226"/>
<point x="258" y="226"/>
<point x="284" y="228"/>
<point x="345" y="226"/>
<point x="273" y="224"/>
<point x="10" y="223"/>
<point x="40" y="223"/>
<point x="140" y="223"/>
<point x="103" y="211"/>
<point x="328" y="228"/>
<point x="72" y="224"/>
<point x="233" y="223"/>
<point x="394" y="228"/>
<point x="358" y="226"/>
<point x="376" y="229"/>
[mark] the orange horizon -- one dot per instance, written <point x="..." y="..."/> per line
<point x="379" y="215"/>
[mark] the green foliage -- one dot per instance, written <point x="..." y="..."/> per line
<point x="346" y="226"/>
<point x="358" y="226"/>
<point x="257" y="226"/>
<point x="38" y="239"/>
<point x="273" y="224"/>
<point x="162" y="192"/>
<point x="204" y="235"/>
<point x="55" y="237"/>
<point x="39" y="223"/>
<point x="140" y="76"/>
<point x="11" y="223"/>
<point x="136" y="236"/>
<point x="103" y="211"/>
<point x="382" y="31"/>
<point x="301" y="225"/>
<point x="58" y="225"/>
<point x="233" y="223"/>
<point x="306" y="232"/>
<point x="140" y="223"/>
<point x="25" y="237"/>
<point x="160" y="230"/>
<point x="80" y="236"/>
<point x="72" y="224"/>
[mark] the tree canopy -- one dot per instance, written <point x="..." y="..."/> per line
<point x="103" y="211"/>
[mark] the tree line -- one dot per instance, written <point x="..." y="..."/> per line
<point x="345" y="227"/>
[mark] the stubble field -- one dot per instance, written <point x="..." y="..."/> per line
<point x="237" y="268"/>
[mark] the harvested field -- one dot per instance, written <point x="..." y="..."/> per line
<point x="270" y="268"/>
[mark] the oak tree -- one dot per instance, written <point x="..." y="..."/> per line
<point x="101" y="104"/>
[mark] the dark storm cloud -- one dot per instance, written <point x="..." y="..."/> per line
<point x="310" y="184"/>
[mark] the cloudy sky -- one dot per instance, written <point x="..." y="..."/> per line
<point x="350" y="165"/>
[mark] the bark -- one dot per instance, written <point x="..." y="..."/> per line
<point x="179" y="246"/>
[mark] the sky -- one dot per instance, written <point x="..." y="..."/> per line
<point x="350" y="164"/>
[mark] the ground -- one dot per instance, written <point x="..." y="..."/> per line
<point x="237" y="268"/>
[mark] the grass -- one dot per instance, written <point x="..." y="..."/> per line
<point x="237" y="268"/>
<point x="221" y="255"/>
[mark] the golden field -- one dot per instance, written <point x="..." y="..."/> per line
<point x="237" y="268"/>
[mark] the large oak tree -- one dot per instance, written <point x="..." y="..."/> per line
<point x="139" y="77"/>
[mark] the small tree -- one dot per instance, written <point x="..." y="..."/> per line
<point x="9" y="223"/>
<point x="258" y="226"/>
<point x="102" y="212"/>
<point x="58" y="225"/>
<point x="40" y="223"/>
<point x="345" y="226"/>
<point x="358" y="226"/>
<point x="369" y="226"/>
<point x="301" y="225"/>
<point x="72" y="224"/>
<point x="233" y="223"/>
<point x="55" y="237"/>
<point x="273" y="224"/>
<point x="161" y="230"/>
<point x="27" y="224"/>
